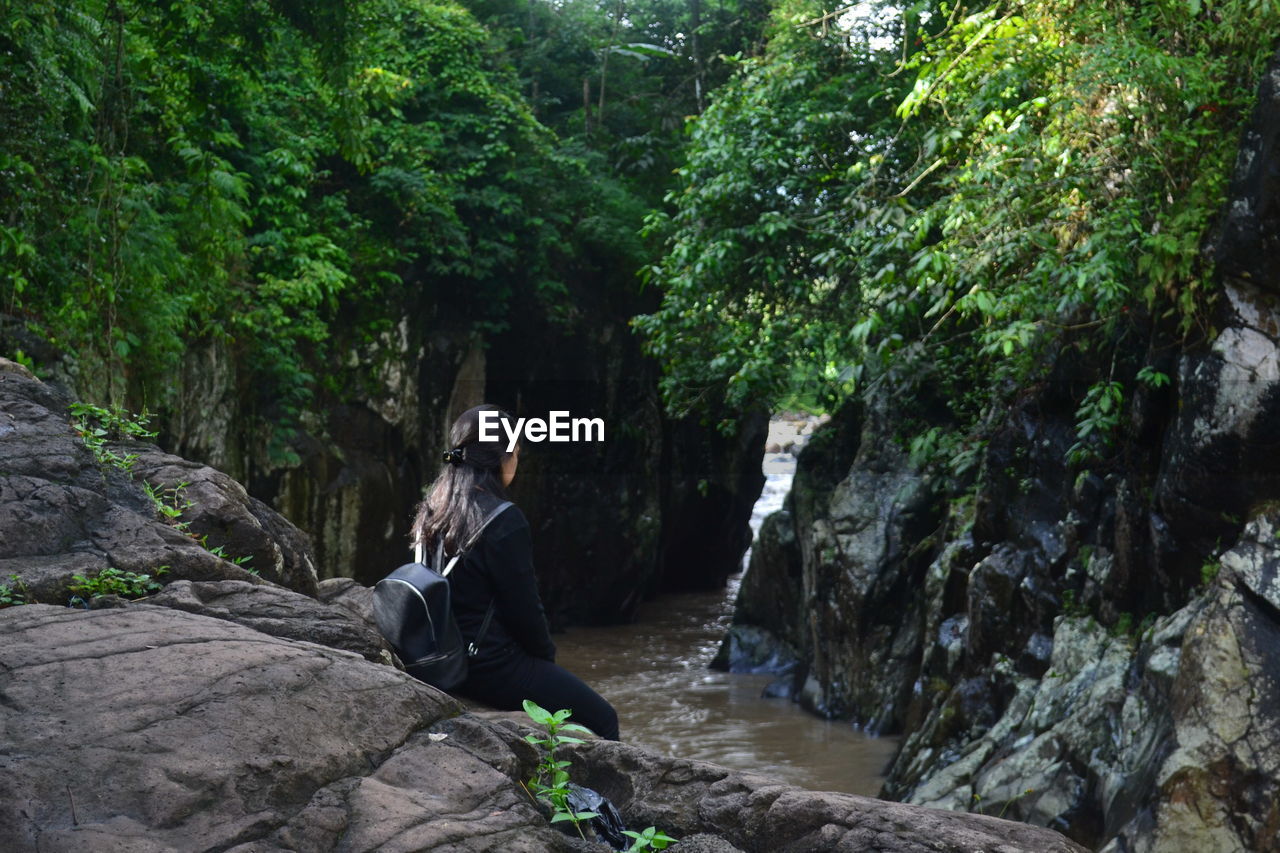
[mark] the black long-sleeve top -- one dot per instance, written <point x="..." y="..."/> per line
<point x="499" y="567"/>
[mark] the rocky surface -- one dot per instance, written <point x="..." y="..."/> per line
<point x="756" y="813"/>
<point x="355" y="598"/>
<point x="1056" y="641"/>
<point x="62" y="513"/>
<point x="225" y="518"/>
<point x="278" y="612"/>
<point x="1169" y="736"/>
<point x="150" y="729"/>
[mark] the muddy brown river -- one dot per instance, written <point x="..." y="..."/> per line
<point x="655" y="673"/>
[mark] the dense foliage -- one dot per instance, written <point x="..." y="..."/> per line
<point x="241" y="169"/>
<point x="951" y="193"/>
<point x="943" y="191"/>
<point x="293" y="179"/>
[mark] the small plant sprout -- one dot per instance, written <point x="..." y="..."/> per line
<point x="220" y="551"/>
<point x="1153" y="377"/>
<point x="97" y="426"/>
<point x="116" y="582"/>
<point x="651" y="839"/>
<point x="1013" y="800"/>
<point x="170" y="503"/>
<point x="550" y="782"/>
<point x="14" y="593"/>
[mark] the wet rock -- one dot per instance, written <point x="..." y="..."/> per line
<point x="1165" y="740"/>
<point x="1060" y="739"/>
<point x="1220" y="461"/>
<point x="1219" y="788"/>
<point x="1035" y="658"/>
<point x="993" y="600"/>
<point x="860" y="547"/>
<point x="763" y="637"/>
<point x="748" y="649"/>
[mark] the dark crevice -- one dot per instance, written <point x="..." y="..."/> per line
<point x="1260" y="603"/>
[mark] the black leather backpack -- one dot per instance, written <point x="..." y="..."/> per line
<point x="414" y="611"/>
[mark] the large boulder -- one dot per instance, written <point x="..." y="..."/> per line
<point x="1164" y="740"/>
<point x="835" y="572"/>
<point x="764" y="636"/>
<point x="149" y="729"/>
<point x="276" y="611"/>
<point x="64" y="513"/>
<point x="225" y="518"/>
<point x="152" y="729"/>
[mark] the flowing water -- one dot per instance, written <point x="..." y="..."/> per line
<point x="655" y="672"/>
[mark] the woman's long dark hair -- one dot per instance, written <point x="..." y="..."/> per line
<point x="452" y="508"/>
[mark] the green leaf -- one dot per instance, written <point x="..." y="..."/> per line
<point x="537" y="713"/>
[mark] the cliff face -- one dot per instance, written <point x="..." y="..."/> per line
<point x="1085" y="647"/>
<point x="658" y="505"/>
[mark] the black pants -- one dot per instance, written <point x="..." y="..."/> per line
<point x="507" y="683"/>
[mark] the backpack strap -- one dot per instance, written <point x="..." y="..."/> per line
<point x="419" y="547"/>
<point x="474" y="646"/>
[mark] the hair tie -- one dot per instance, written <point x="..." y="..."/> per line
<point x="454" y="456"/>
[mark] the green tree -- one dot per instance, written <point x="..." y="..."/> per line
<point x="289" y="179"/>
<point x="1026" y="176"/>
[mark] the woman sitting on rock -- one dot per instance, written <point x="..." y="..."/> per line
<point x="515" y="658"/>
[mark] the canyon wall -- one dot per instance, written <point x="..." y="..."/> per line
<point x="1086" y="645"/>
